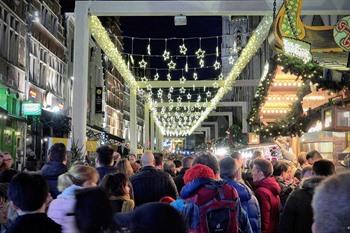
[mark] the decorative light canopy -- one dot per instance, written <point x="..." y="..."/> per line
<point x="188" y="115"/>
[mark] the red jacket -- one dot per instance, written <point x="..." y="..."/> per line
<point x="267" y="191"/>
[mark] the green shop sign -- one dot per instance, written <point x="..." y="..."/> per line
<point x="31" y="109"/>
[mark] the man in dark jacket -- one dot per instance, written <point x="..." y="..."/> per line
<point x="228" y="172"/>
<point x="29" y="195"/>
<point x="104" y="161"/>
<point x="151" y="184"/>
<point x="56" y="166"/>
<point x="297" y="214"/>
<point x="267" y="191"/>
<point x="186" y="164"/>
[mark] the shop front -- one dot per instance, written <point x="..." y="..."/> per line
<point x="12" y="124"/>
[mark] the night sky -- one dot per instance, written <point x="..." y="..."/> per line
<point x="163" y="27"/>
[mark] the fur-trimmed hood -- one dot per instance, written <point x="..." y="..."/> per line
<point x="311" y="183"/>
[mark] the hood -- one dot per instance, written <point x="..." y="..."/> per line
<point x="53" y="169"/>
<point x="311" y="183"/>
<point x="69" y="192"/>
<point x="242" y="190"/>
<point x="198" y="171"/>
<point x="192" y="187"/>
<point x="269" y="183"/>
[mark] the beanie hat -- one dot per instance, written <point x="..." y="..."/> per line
<point x="198" y="171"/>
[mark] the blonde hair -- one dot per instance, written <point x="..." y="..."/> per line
<point x="125" y="167"/>
<point x="77" y="175"/>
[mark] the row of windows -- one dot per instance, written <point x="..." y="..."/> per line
<point x="47" y="57"/>
<point x="45" y="77"/>
<point x="12" y="43"/>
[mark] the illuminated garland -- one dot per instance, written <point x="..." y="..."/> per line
<point x="311" y="71"/>
<point x="294" y="123"/>
<point x="102" y="38"/>
<point x="257" y="38"/>
<point x="254" y="43"/>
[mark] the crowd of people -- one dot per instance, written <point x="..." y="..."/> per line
<point x="199" y="194"/>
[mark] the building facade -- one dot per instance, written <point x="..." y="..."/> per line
<point x="12" y="76"/>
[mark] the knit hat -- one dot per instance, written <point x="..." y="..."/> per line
<point x="198" y="171"/>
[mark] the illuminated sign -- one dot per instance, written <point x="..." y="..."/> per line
<point x="297" y="48"/>
<point x="31" y="109"/>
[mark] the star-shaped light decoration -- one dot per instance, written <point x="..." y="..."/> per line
<point x="171" y="89"/>
<point x="182" y="80"/>
<point x="169" y="96"/>
<point x="179" y="99"/>
<point x="149" y="87"/>
<point x="183" y="49"/>
<point x="216" y="84"/>
<point x="171" y="65"/>
<point x="160" y="92"/>
<point x="208" y="93"/>
<point x="201" y="63"/>
<point x="141" y="91"/>
<point x="142" y="63"/>
<point x="189" y="96"/>
<point x="168" y="76"/>
<point x="231" y="60"/>
<point x="144" y="79"/>
<point x="200" y="53"/>
<point x="195" y="76"/>
<point x="166" y="55"/>
<point x="217" y="65"/>
<point x="182" y="90"/>
<point x="156" y="76"/>
<point x="221" y="76"/>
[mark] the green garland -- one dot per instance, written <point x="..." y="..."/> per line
<point x="311" y="71"/>
<point x="261" y="93"/>
<point x="295" y="122"/>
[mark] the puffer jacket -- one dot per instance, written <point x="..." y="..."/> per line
<point x="297" y="215"/>
<point x="51" y="171"/>
<point x="267" y="192"/>
<point x="195" y="179"/>
<point x="249" y="203"/>
<point x="61" y="210"/>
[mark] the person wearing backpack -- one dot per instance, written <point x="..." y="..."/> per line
<point x="208" y="204"/>
<point x="229" y="172"/>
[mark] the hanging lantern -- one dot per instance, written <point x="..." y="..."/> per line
<point x="336" y="118"/>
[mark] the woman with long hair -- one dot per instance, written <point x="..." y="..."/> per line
<point x="118" y="191"/>
<point x="124" y="167"/>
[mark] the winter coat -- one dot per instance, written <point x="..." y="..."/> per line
<point x="179" y="179"/>
<point x="34" y="223"/>
<point x="285" y="190"/>
<point x="297" y="215"/>
<point x="60" y="209"/>
<point x="190" y="212"/>
<point x="105" y="170"/>
<point x="249" y="203"/>
<point x="267" y="192"/>
<point x="151" y="185"/>
<point x="196" y="178"/>
<point x="51" y="171"/>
